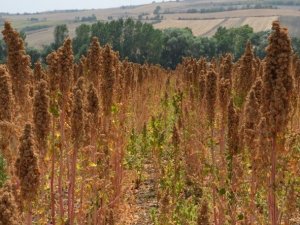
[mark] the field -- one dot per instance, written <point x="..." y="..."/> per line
<point x="105" y="141"/>
<point x="204" y="24"/>
<point x="45" y="36"/>
<point x="199" y="27"/>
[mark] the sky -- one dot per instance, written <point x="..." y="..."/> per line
<point x="31" y="6"/>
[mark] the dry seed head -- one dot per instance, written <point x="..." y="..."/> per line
<point x="94" y="61"/>
<point x="226" y="67"/>
<point x="6" y="100"/>
<point x="128" y="76"/>
<point x="224" y="90"/>
<point x="297" y="72"/>
<point x="41" y="115"/>
<point x="80" y="69"/>
<point x="246" y="73"/>
<point x="93" y="101"/>
<point x="65" y="65"/>
<point x="258" y="90"/>
<point x="251" y="119"/>
<point x="202" y="64"/>
<point x="120" y="82"/>
<point x="18" y="63"/>
<point x="233" y="128"/>
<point x="277" y="80"/>
<point x="140" y="76"/>
<point x="202" y="80"/>
<point x="9" y="214"/>
<point x="107" y="81"/>
<point x="53" y="73"/>
<point x="262" y="156"/>
<point x="80" y="85"/>
<point x="214" y="64"/>
<point x="27" y="166"/>
<point x="38" y="72"/>
<point x="77" y="117"/>
<point x="211" y="95"/>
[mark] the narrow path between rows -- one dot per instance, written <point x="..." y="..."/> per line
<point x="145" y="196"/>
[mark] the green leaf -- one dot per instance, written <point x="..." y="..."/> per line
<point x="222" y="191"/>
<point x="240" y="216"/>
<point x="54" y="110"/>
<point x="3" y="175"/>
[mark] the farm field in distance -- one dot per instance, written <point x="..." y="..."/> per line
<point x="173" y="15"/>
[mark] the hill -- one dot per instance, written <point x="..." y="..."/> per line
<point x="201" y="16"/>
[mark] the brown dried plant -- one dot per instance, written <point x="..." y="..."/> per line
<point x="38" y="72"/>
<point x="277" y="80"/>
<point x="94" y="63"/>
<point x="211" y="95"/>
<point x="6" y="100"/>
<point x="18" y="63"/>
<point x="9" y="213"/>
<point x="41" y="116"/>
<point x="276" y="100"/>
<point x="77" y="138"/>
<point x="27" y="166"/>
<point x="65" y="66"/>
<point x="107" y="81"/>
<point x="246" y="74"/>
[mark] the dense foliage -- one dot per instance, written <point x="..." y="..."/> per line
<point x="141" y="43"/>
<point x="3" y="174"/>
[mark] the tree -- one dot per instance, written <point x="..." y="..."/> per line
<point x="149" y="44"/>
<point x="203" y="46"/>
<point x="128" y="42"/>
<point x="101" y="31"/>
<point x="240" y="37"/>
<point x="81" y="41"/>
<point x="157" y="10"/>
<point x="296" y="45"/>
<point x="34" y="54"/>
<point x="115" y="33"/>
<point x="3" y="175"/>
<point x="232" y="40"/>
<point x="60" y="34"/>
<point x="224" y="41"/>
<point x="2" y="51"/>
<point x="260" y="42"/>
<point x="176" y="44"/>
<point x="23" y="35"/>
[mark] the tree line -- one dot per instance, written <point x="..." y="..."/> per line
<point x="142" y="43"/>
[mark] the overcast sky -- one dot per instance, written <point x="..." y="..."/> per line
<point x="21" y="6"/>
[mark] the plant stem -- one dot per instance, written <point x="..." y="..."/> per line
<point x="52" y="174"/>
<point x="29" y="215"/>
<point x="272" y="188"/>
<point x="61" y="163"/>
<point x="71" y="196"/>
<point x="213" y="181"/>
<point x="222" y="153"/>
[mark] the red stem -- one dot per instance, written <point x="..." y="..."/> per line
<point x="272" y="191"/>
<point x="29" y="215"/>
<point x="61" y="163"/>
<point x="52" y="175"/>
<point x="222" y="152"/>
<point x="213" y="183"/>
<point x="71" y="194"/>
